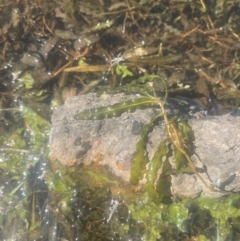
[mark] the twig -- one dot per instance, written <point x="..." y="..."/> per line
<point x="13" y="149"/>
<point x="70" y="62"/>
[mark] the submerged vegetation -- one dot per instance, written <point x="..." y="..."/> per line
<point x="51" y="50"/>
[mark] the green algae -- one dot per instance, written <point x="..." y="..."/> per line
<point x="22" y="150"/>
<point x="123" y="71"/>
<point x="157" y="218"/>
<point x="222" y="210"/>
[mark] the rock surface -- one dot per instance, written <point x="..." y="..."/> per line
<point x="112" y="143"/>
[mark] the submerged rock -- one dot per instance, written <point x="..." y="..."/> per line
<point x="112" y="143"/>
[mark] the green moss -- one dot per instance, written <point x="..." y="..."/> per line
<point x="202" y="238"/>
<point x="27" y="80"/>
<point x="222" y="209"/>
<point x="157" y="218"/>
<point x="16" y="140"/>
<point x="38" y="128"/>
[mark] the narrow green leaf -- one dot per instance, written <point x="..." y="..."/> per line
<point x="180" y="159"/>
<point x="140" y="158"/>
<point x="188" y="134"/>
<point x="154" y="166"/>
<point x="144" y="89"/>
<point x="164" y="184"/>
<point x="156" y="163"/>
<point x="139" y="162"/>
<point x="116" y="109"/>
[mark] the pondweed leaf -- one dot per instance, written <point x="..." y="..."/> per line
<point x="156" y="162"/>
<point x="180" y="159"/>
<point x="154" y="166"/>
<point x="116" y="109"/>
<point x="143" y="85"/>
<point x="164" y="184"/>
<point x="140" y="158"/>
<point x="187" y="134"/>
<point x="144" y="89"/>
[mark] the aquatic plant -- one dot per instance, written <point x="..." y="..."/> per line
<point x="192" y="45"/>
<point x="180" y="136"/>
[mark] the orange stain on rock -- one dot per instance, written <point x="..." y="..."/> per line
<point x="120" y="166"/>
<point x="71" y="162"/>
<point x="98" y="158"/>
<point x="97" y="161"/>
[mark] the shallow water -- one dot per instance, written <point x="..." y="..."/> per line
<point x="192" y="46"/>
